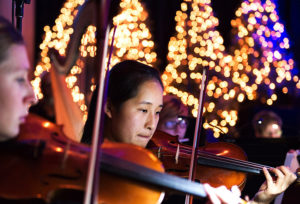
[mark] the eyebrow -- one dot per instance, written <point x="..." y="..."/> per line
<point x="20" y="70"/>
<point x="14" y="69"/>
<point x="149" y="103"/>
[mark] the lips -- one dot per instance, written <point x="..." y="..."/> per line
<point x="23" y="118"/>
<point x="145" y="136"/>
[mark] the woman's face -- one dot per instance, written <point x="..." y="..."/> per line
<point x="136" y="120"/>
<point x="16" y="93"/>
<point x="272" y="130"/>
<point x="175" y="126"/>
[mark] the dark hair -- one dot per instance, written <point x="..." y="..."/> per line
<point x="124" y="81"/>
<point x="263" y="118"/>
<point x="126" y="78"/>
<point x="8" y="36"/>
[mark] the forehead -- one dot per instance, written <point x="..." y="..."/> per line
<point x="149" y="91"/>
<point x="272" y="126"/>
<point x="151" y="87"/>
<point x="16" y="59"/>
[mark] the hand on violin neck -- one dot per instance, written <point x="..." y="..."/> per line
<point x="273" y="186"/>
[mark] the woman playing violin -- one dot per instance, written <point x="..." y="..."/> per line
<point x="133" y="105"/>
<point x="134" y="101"/>
<point x="16" y="93"/>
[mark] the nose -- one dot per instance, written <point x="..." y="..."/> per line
<point x="151" y="122"/>
<point x="177" y="128"/>
<point x="180" y="131"/>
<point x="30" y="97"/>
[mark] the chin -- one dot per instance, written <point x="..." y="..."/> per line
<point x="8" y="136"/>
<point x="14" y="133"/>
<point x="141" y="144"/>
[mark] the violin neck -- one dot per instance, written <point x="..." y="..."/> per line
<point x="230" y="164"/>
<point x="236" y="165"/>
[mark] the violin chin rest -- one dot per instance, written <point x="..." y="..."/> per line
<point x="66" y="196"/>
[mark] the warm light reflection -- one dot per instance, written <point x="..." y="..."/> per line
<point x="59" y="149"/>
<point x="224" y="152"/>
<point x="46" y="124"/>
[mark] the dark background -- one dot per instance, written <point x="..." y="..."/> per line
<point x="162" y="24"/>
<point x="162" y="13"/>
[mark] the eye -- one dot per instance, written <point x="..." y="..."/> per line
<point x="21" y="80"/>
<point x="157" y="113"/>
<point x="144" y="110"/>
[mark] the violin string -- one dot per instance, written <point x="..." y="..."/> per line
<point x="216" y="162"/>
<point x="236" y="161"/>
<point x="231" y="161"/>
<point x="227" y="160"/>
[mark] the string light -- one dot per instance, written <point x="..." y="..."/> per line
<point x="197" y="44"/>
<point x="57" y="38"/>
<point x="132" y="41"/>
<point x="261" y="52"/>
<point x="257" y="68"/>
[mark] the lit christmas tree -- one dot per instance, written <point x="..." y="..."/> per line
<point x="261" y="65"/>
<point x="58" y="38"/>
<point x="196" y="44"/>
<point x="132" y="41"/>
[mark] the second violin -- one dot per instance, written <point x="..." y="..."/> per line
<point x="217" y="163"/>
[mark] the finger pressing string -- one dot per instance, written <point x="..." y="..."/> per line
<point x="235" y="190"/>
<point x="211" y="194"/>
<point x="223" y="195"/>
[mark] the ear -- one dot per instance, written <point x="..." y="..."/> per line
<point x="108" y="109"/>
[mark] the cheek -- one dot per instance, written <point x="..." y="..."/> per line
<point x="183" y="130"/>
<point x="11" y="92"/>
<point x="134" y="123"/>
<point x="136" y="126"/>
<point x="119" y="130"/>
<point x="125" y="127"/>
<point x="9" y="98"/>
<point x="170" y="131"/>
<point x="181" y="134"/>
<point x="156" y="122"/>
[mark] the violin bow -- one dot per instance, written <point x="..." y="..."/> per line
<point x="91" y="191"/>
<point x="197" y="132"/>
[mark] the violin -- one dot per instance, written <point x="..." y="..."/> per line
<point x="217" y="163"/>
<point x="54" y="169"/>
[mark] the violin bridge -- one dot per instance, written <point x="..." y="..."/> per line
<point x="65" y="155"/>
<point x="177" y="154"/>
<point x="159" y="152"/>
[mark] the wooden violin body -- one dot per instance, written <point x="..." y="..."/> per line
<point x="42" y="163"/>
<point x="52" y="166"/>
<point x="217" y="163"/>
